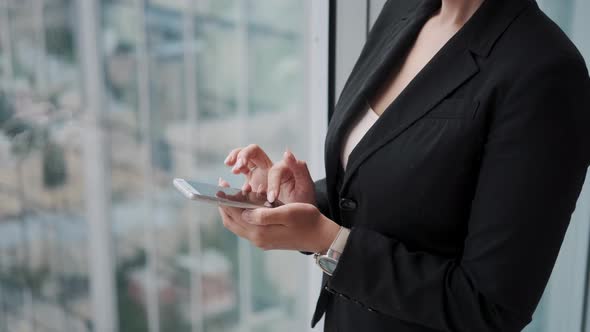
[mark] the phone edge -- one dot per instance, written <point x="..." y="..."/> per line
<point x="183" y="187"/>
<point x="187" y="190"/>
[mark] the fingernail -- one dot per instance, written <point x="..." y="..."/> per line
<point x="271" y="196"/>
<point x="226" y="160"/>
<point x="260" y="188"/>
<point x="239" y="163"/>
<point x="289" y="156"/>
<point x="247" y="216"/>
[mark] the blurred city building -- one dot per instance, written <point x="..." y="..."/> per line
<point x="180" y="84"/>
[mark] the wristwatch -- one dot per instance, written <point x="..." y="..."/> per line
<point x="329" y="261"/>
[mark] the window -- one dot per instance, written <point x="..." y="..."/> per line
<point x="102" y="104"/>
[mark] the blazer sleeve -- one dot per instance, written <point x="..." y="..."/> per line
<point x="321" y="197"/>
<point x="532" y="169"/>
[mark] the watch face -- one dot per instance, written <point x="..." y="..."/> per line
<point x="327" y="264"/>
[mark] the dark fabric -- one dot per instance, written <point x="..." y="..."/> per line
<point x="321" y="197"/>
<point x="465" y="186"/>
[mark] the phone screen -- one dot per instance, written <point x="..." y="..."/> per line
<point x="229" y="196"/>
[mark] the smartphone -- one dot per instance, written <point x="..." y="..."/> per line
<point x="204" y="192"/>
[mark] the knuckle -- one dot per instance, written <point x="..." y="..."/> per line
<point x="310" y="209"/>
<point x="273" y="174"/>
<point x="261" y="217"/>
<point x="235" y="152"/>
<point x="256" y="220"/>
<point x="278" y="170"/>
<point x="251" y="150"/>
<point x="251" y="218"/>
<point x="282" y="168"/>
<point x="243" y="150"/>
<point x="272" y="171"/>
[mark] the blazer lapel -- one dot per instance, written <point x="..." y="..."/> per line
<point x="445" y="73"/>
<point x="379" y="55"/>
<point x="452" y="66"/>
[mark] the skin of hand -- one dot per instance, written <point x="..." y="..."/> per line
<point x="246" y="196"/>
<point x="293" y="226"/>
<point x="296" y="225"/>
<point x="287" y="180"/>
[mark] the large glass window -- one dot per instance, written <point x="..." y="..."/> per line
<point x="180" y="83"/>
<point x="43" y="262"/>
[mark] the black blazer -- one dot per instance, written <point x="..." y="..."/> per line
<point x="460" y="194"/>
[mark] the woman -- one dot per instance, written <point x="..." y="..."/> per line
<point x="454" y="160"/>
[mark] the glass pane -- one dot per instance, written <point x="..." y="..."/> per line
<point x="183" y="82"/>
<point x="562" y="306"/>
<point x="212" y="85"/>
<point x="44" y="281"/>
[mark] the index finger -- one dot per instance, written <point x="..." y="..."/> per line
<point x="230" y="160"/>
<point x="252" y="155"/>
<point x="277" y="175"/>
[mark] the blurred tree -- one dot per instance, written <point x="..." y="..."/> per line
<point x="26" y="137"/>
<point x="132" y="316"/>
<point x="54" y="166"/>
<point x="19" y="277"/>
<point x="10" y="125"/>
<point x="60" y="42"/>
<point x="162" y="155"/>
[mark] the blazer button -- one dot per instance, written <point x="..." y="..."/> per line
<point x="348" y="204"/>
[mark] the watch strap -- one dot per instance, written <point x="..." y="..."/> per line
<point x="329" y="261"/>
<point x="340" y="241"/>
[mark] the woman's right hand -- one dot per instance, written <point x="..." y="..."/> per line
<point x="288" y="180"/>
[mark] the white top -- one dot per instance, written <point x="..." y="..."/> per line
<point x="354" y="136"/>
<point x="356" y="133"/>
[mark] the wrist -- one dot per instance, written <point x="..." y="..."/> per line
<point x="327" y="234"/>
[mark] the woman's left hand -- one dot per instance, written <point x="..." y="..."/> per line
<point x="294" y="226"/>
